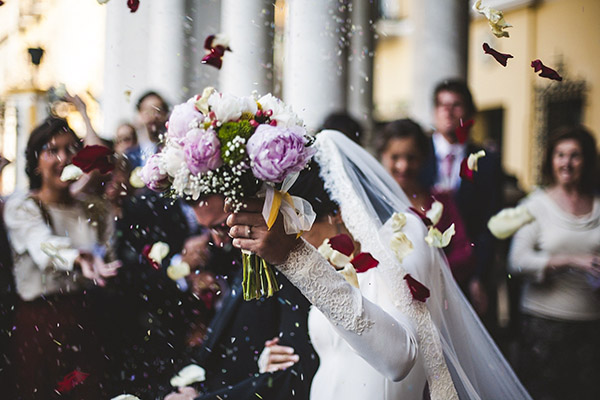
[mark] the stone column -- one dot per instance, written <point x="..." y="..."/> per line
<point x="166" y="49"/>
<point x="125" y="64"/>
<point x="249" y="25"/>
<point x="360" y="65"/>
<point x="439" y="43"/>
<point x="314" y="79"/>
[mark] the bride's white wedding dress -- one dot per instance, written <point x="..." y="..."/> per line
<point x="377" y="342"/>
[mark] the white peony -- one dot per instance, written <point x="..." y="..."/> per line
<point x="435" y="238"/>
<point x="71" y="173"/>
<point x="435" y="212"/>
<point x="228" y="107"/>
<point x="188" y="375"/>
<point x="508" y="221"/>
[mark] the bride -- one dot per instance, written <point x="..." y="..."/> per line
<point x="377" y="341"/>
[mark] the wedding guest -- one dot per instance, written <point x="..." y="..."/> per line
<point x="558" y="256"/>
<point x="153" y="112"/>
<point x="477" y="200"/>
<point x="59" y="246"/>
<point x="402" y="149"/>
<point x="125" y="138"/>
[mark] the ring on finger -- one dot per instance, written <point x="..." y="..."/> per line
<point x="249" y="231"/>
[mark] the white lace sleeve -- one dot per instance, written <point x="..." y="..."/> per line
<point x="363" y="324"/>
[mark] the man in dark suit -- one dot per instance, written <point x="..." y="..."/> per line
<point x="238" y="333"/>
<point x="477" y="199"/>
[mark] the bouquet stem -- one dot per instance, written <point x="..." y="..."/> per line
<point x="258" y="277"/>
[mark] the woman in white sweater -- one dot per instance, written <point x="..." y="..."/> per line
<point x="57" y="243"/>
<point x="558" y="255"/>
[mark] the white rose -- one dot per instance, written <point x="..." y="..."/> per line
<point x="435" y="238"/>
<point x="71" y="173"/>
<point x="508" y="221"/>
<point x="190" y="374"/>
<point x="178" y="271"/>
<point x="401" y="245"/>
<point x="282" y="113"/>
<point x="172" y="159"/>
<point x="230" y="108"/>
<point x="158" y="251"/>
<point x="435" y="212"/>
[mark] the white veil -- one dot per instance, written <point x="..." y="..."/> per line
<point x="368" y="197"/>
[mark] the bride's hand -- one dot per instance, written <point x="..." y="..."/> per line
<point x="275" y="357"/>
<point x="249" y="232"/>
<point x="95" y="269"/>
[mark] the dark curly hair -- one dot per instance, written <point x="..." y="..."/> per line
<point x="400" y="129"/>
<point x="39" y="137"/>
<point x="587" y="143"/>
<point x="459" y="87"/>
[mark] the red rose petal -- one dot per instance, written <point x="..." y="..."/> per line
<point x="133" y="5"/>
<point x="94" y="157"/>
<point x="146" y="254"/>
<point x="71" y="380"/>
<point x="364" y="262"/>
<point x="342" y="243"/>
<point x="465" y="172"/>
<point x="462" y="131"/>
<point x="547" y="72"/>
<point x="417" y="289"/>
<point x="421" y="214"/>
<point x="502" y="58"/>
<point x="213" y="59"/>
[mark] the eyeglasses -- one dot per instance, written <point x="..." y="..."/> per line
<point x="54" y="151"/>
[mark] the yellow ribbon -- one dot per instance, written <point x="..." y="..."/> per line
<point x="278" y="196"/>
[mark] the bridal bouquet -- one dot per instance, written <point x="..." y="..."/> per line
<point x="238" y="147"/>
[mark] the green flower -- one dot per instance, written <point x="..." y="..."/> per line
<point x="233" y="137"/>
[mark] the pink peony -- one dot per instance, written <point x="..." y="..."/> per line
<point x="275" y="152"/>
<point x="152" y="176"/>
<point x="202" y="151"/>
<point x="182" y="117"/>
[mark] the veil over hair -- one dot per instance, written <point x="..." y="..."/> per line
<point x="456" y="348"/>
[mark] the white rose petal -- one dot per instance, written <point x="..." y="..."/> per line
<point x="178" y="271"/>
<point x="398" y="221"/>
<point x="158" y="251"/>
<point x="473" y="159"/>
<point x="71" y="173"/>
<point x="435" y="212"/>
<point x="339" y="260"/>
<point x="202" y="102"/>
<point x="220" y="39"/>
<point x="495" y="19"/>
<point x="190" y="374"/>
<point x="508" y="221"/>
<point x="125" y="396"/>
<point x="401" y="245"/>
<point x="435" y="238"/>
<point x="135" y="178"/>
<point x="104" y="2"/>
<point x="349" y="274"/>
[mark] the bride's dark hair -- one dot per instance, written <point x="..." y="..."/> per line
<point x="311" y="187"/>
